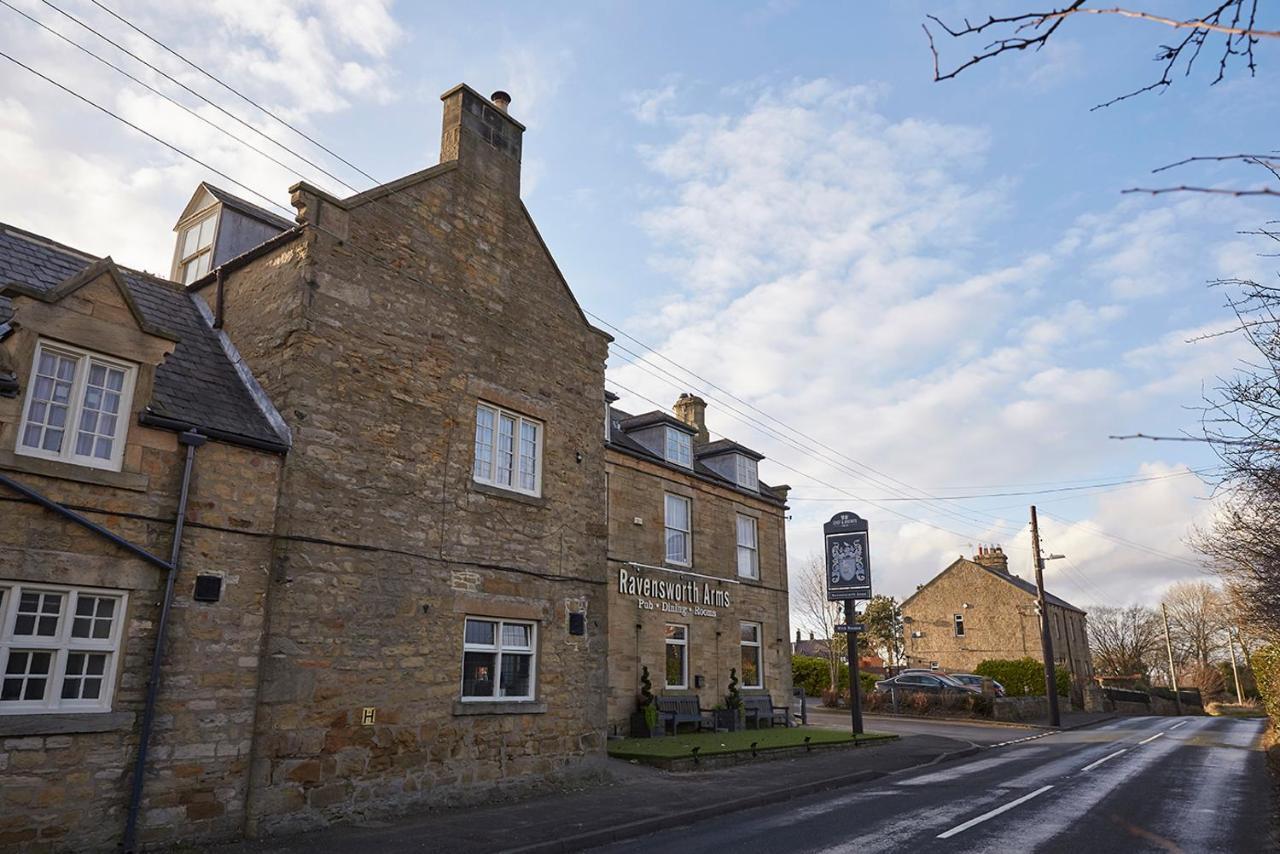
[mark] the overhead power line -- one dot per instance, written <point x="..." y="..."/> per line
<point x="1099" y="487"/>
<point x="187" y="88"/>
<point x="233" y="90"/>
<point x="153" y="90"/>
<point x="269" y="201"/>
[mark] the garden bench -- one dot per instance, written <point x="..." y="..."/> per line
<point x="761" y="708"/>
<point x="683" y="710"/>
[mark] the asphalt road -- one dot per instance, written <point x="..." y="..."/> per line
<point x="1131" y="785"/>
<point x="975" y="733"/>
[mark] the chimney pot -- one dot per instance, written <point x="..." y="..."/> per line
<point x="501" y="100"/>
<point x="692" y="410"/>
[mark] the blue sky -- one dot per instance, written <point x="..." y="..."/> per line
<point x="939" y="281"/>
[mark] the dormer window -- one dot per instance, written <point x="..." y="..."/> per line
<point x="77" y="407"/>
<point x="746" y="473"/>
<point x="679" y="448"/>
<point x="195" y="249"/>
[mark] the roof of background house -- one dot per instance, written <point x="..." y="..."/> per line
<point x="725" y="446"/>
<point x="198" y="385"/>
<point x="248" y="208"/>
<point x="1020" y="583"/>
<point x="620" y="422"/>
<point x="657" y="416"/>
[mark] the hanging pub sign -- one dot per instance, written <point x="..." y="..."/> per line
<point x="848" y="557"/>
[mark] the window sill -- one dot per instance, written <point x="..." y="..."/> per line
<point x="68" y="471"/>
<point x="64" y="723"/>
<point x="509" y="494"/>
<point x="515" y="707"/>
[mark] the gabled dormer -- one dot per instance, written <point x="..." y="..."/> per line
<point x="734" y="462"/>
<point x="662" y="435"/>
<point x="215" y="227"/>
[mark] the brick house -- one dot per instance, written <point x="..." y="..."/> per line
<point x="976" y="609"/>
<point x="697" y="561"/>
<point x="397" y="496"/>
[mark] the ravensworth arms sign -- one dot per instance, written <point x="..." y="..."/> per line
<point x="848" y="557"/>
<point x="686" y="596"/>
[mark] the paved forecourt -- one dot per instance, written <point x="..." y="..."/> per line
<point x="1130" y="785"/>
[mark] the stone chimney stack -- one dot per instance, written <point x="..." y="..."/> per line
<point x="480" y="135"/>
<point x="692" y="410"/>
<point x="797" y="636"/>
<point x="992" y="557"/>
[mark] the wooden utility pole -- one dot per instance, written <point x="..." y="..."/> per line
<point x="1168" y="645"/>
<point x="1046" y="638"/>
<point x="1235" y="671"/>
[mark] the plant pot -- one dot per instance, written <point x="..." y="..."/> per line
<point x="640" y="726"/>
<point x="730" y="720"/>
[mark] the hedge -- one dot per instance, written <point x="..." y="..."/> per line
<point x="813" y="674"/>
<point x="1023" y="677"/>
<point x="1266" y="670"/>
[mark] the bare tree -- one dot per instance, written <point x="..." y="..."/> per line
<point x="1124" y="641"/>
<point x="1228" y="28"/>
<point x="809" y="599"/>
<point x="1197" y="620"/>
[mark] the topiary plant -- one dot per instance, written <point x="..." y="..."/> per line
<point x="647" y="704"/>
<point x="733" y="700"/>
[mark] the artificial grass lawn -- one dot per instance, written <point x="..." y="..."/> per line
<point x="716" y="743"/>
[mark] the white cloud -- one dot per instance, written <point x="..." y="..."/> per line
<point x="845" y="271"/>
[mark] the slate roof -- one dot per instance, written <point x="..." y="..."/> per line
<point x="620" y="421"/>
<point x="726" y="446"/>
<point x="248" y="208"/>
<point x="1021" y="583"/>
<point x="197" y="385"/>
<point x="648" y="419"/>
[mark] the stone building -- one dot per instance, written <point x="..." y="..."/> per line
<point x="393" y="579"/>
<point x="697" y="563"/>
<point x="977" y="609"/>
<point x="103" y="371"/>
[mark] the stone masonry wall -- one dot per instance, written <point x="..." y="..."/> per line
<point x="65" y="778"/>
<point x="636" y="634"/>
<point x="440" y="294"/>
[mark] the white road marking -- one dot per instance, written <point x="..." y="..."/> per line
<point x="965" y="769"/>
<point x="1180" y="723"/>
<point x="961" y="828"/>
<point x="1153" y="738"/>
<point x="1093" y="765"/>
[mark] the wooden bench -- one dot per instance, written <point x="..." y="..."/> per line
<point x="760" y="708"/>
<point x="683" y="710"/>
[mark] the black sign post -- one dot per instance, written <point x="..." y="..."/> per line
<point x="848" y="562"/>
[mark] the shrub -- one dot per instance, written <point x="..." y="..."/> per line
<point x="920" y="703"/>
<point x="1206" y="678"/>
<point x="1023" y="677"/>
<point x="811" y="673"/>
<point x="1266" y="670"/>
<point x="830" y="698"/>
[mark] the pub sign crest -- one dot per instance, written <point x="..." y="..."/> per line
<point x="848" y="557"/>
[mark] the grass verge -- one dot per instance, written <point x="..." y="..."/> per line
<point x="720" y="743"/>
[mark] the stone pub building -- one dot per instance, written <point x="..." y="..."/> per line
<point x="697" y="563"/>
<point x="365" y="448"/>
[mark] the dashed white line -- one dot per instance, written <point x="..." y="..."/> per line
<point x="1178" y="724"/>
<point x="1152" y="738"/>
<point x="1093" y="765"/>
<point x="961" y="828"/>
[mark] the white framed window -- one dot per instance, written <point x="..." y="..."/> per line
<point x="747" y="473"/>
<point x="77" y="407"/>
<point x="499" y="659"/>
<point x="748" y="547"/>
<point x="752" y="670"/>
<point x="677" y="655"/>
<point x="958" y="620"/>
<point x="679" y="513"/>
<point x="508" y="450"/>
<point x="679" y="448"/>
<point x="195" y="249"/>
<point x="58" y="647"/>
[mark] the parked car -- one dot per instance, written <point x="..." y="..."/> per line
<point x="973" y="680"/>
<point x="924" y="682"/>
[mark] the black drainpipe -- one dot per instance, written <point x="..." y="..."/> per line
<point x="192" y="440"/>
